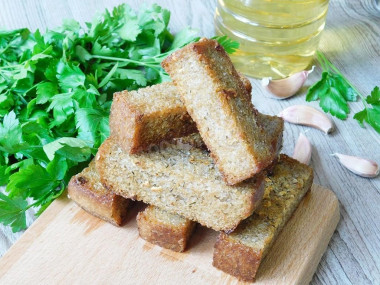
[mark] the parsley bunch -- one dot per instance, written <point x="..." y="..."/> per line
<point x="334" y="92"/>
<point x="55" y="95"/>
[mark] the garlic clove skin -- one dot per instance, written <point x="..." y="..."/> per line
<point x="287" y="87"/>
<point x="360" y="166"/>
<point x="303" y="149"/>
<point x="307" y="116"/>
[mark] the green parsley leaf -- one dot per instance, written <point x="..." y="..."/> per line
<point x="229" y="45"/>
<point x="344" y="88"/>
<point x="12" y="212"/>
<point x="371" y="114"/>
<point x="334" y="92"/>
<point x="10" y="134"/>
<point x="374" y="98"/>
<point x="331" y="92"/>
<point x="62" y="106"/>
<point x="184" y="37"/>
<point x="316" y="88"/>
<point x="4" y="176"/>
<point x="46" y="90"/>
<point x="130" y="30"/>
<point x="70" y="77"/>
<point x="72" y="148"/>
<point x="92" y="125"/>
<point x="333" y="102"/>
<point x="32" y="181"/>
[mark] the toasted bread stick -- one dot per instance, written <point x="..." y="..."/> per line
<point x="218" y="102"/>
<point x="164" y="229"/>
<point x="241" y="252"/>
<point x="179" y="179"/>
<point x="86" y="190"/>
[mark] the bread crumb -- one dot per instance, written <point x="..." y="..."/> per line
<point x="155" y="188"/>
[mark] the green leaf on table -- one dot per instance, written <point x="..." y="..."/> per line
<point x="62" y="106"/>
<point x="82" y="53"/>
<point x="32" y="181"/>
<point x="72" y="148"/>
<point x="6" y="103"/>
<point x="130" y="30"/>
<point x="57" y="168"/>
<point x="10" y="134"/>
<point x="373" y="117"/>
<point x="85" y="98"/>
<point x="132" y="74"/>
<point x="330" y="91"/>
<point x="374" y="98"/>
<point x="371" y="112"/>
<point x="45" y="91"/>
<point x="12" y="212"/>
<point x="92" y="125"/>
<point x="108" y="76"/>
<point x="47" y="200"/>
<point x="154" y="18"/>
<point x="344" y="88"/>
<point x="334" y="103"/>
<point x="317" y="88"/>
<point x="4" y="176"/>
<point x="70" y="77"/>
<point x="184" y="37"/>
<point x="229" y="45"/>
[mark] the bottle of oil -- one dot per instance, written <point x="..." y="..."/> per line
<point x="277" y="37"/>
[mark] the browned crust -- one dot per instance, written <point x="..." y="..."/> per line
<point x="236" y="259"/>
<point x="107" y="206"/>
<point x="125" y="122"/>
<point x="277" y="139"/>
<point x="162" y="234"/>
<point x="247" y="84"/>
<point x="136" y="132"/>
<point x="103" y="151"/>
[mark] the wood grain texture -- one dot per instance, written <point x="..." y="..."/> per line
<point x="67" y="245"/>
<point x="351" y="41"/>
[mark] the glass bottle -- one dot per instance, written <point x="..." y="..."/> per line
<point x="277" y="37"/>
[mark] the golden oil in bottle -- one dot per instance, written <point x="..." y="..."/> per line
<point x="277" y="37"/>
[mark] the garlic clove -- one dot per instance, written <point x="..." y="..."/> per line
<point x="308" y="116"/>
<point x="303" y="149"/>
<point x="287" y="87"/>
<point x="360" y="166"/>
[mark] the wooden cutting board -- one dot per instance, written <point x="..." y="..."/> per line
<point x="66" y="245"/>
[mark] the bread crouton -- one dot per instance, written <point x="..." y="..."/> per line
<point x="179" y="179"/>
<point x="240" y="253"/>
<point x="218" y="102"/>
<point x="86" y="190"/>
<point x="164" y="229"/>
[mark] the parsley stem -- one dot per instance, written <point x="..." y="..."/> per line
<point x="31" y="88"/>
<point x="10" y="66"/>
<point x="322" y="62"/>
<point x="327" y="66"/>
<point x="148" y="64"/>
<point x="22" y="99"/>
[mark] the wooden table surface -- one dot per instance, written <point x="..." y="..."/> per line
<point x="351" y="40"/>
